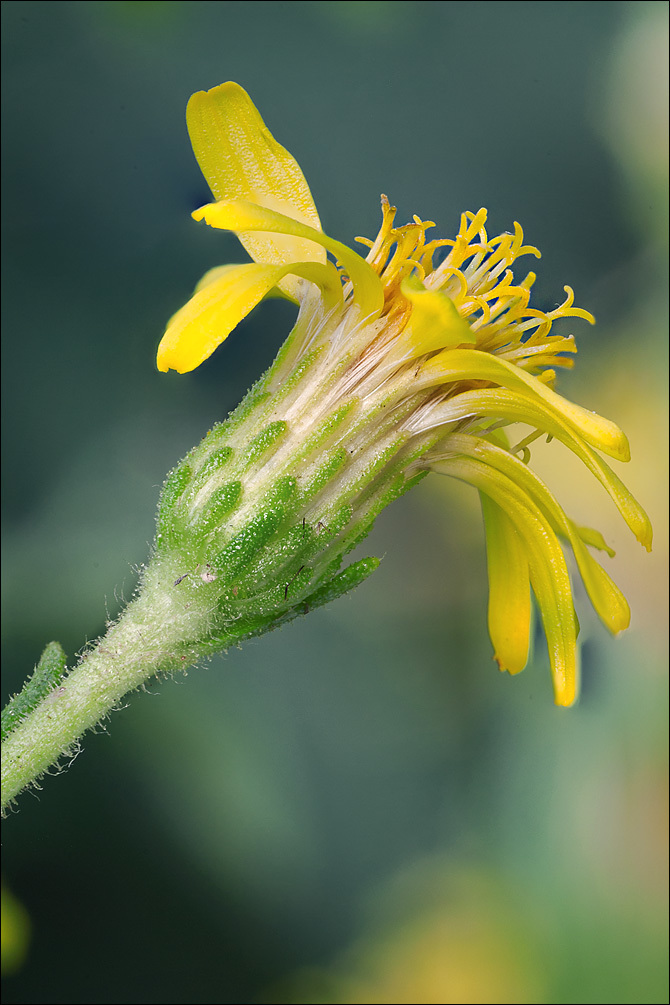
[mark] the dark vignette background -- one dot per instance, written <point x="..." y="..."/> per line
<point x="248" y="822"/>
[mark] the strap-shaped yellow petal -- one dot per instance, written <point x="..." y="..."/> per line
<point x="471" y="364"/>
<point x="509" y="588"/>
<point x="606" y="597"/>
<point x="548" y="572"/>
<point x="435" y="322"/>
<point x="220" y="270"/>
<point x="509" y="405"/>
<point x="241" y="159"/>
<point x="224" y="297"/>
<point x="242" y="216"/>
<point x="213" y="274"/>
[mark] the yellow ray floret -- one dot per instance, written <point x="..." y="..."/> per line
<point x="606" y="597"/>
<point x="466" y="364"/>
<point x="548" y="572"/>
<point x="223" y="298"/>
<point x="509" y="588"/>
<point x="509" y="406"/>
<point x="242" y="216"/>
<point x="241" y="159"/>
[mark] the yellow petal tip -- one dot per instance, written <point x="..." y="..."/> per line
<point x="507" y="666"/>
<point x="565" y="700"/>
<point x="566" y="688"/>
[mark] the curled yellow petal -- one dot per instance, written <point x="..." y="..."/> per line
<point x="548" y="572"/>
<point x="241" y="159"/>
<point x="470" y="364"/>
<point x="509" y="588"/>
<point x="511" y="406"/>
<point x="223" y="298"/>
<point x="213" y="274"/>
<point x="593" y="538"/>
<point x="241" y="216"/>
<point x="607" y="599"/>
<point x="435" y="322"/>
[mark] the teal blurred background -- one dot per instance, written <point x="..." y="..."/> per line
<point x="358" y="808"/>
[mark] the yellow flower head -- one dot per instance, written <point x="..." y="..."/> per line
<point x="429" y="363"/>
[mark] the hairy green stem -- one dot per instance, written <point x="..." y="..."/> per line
<point x="148" y="639"/>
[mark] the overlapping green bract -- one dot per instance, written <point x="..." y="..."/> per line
<point x="261" y="517"/>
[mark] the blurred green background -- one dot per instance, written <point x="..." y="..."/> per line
<point x="358" y="808"/>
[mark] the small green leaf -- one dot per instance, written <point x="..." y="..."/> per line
<point x="46" y="676"/>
